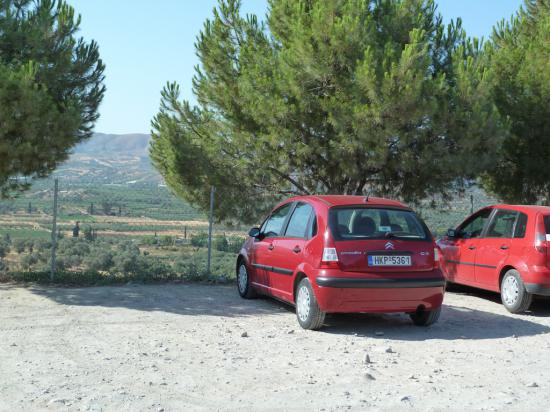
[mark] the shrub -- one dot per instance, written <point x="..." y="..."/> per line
<point x="19" y="245"/>
<point x="28" y="261"/>
<point x="88" y="233"/>
<point x="199" y="239"/>
<point x="41" y="245"/>
<point x="101" y="260"/>
<point x="128" y="247"/>
<point x="235" y="243"/>
<point x="166" y="241"/>
<point x="4" y="249"/>
<point x="73" y="261"/>
<point x="221" y="243"/>
<point x="191" y="269"/>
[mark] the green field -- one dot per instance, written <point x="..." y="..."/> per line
<point x="134" y="200"/>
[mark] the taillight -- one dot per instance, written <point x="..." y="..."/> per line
<point x="540" y="242"/>
<point x="330" y="255"/>
<point x="437" y="263"/>
<point x="540" y="235"/>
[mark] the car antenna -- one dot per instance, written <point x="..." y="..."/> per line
<point x="367" y="198"/>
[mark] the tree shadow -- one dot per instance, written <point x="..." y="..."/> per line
<point x="182" y="299"/>
<point x="455" y="323"/>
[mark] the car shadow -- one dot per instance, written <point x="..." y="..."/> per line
<point x="540" y="306"/>
<point x="182" y="299"/>
<point x="455" y="323"/>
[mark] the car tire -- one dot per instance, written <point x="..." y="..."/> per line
<point x="244" y="287"/>
<point x="513" y="294"/>
<point x="425" y="317"/>
<point x="308" y="313"/>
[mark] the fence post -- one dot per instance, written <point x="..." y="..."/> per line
<point x="54" y="230"/>
<point x="210" y="218"/>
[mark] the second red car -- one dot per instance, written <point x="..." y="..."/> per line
<point x="502" y="248"/>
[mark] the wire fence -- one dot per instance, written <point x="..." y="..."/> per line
<point x="89" y="244"/>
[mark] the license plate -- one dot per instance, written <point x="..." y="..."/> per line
<point x="389" y="260"/>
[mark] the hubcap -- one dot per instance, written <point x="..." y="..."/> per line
<point x="243" y="279"/>
<point x="303" y="303"/>
<point x="510" y="291"/>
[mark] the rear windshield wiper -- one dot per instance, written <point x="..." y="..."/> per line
<point x="389" y="235"/>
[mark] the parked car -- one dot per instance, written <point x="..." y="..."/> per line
<point x="329" y="254"/>
<point x="504" y="249"/>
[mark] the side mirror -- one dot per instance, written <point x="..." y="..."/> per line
<point x="254" y="232"/>
<point x="452" y="234"/>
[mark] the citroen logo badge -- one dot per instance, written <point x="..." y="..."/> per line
<point x="389" y="246"/>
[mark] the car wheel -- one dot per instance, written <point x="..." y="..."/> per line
<point x="309" y="315"/>
<point x="243" y="283"/>
<point x="513" y="294"/>
<point x="425" y="317"/>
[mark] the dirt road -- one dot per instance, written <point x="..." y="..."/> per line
<point x="194" y="347"/>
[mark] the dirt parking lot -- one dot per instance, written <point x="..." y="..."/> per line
<point x="198" y="347"/>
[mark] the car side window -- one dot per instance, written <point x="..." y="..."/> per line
<point x="473" y="227"/>
<point x="521" y="226"/>
<point x="502" y="224"/>
<point x="298" y="223"/>
<point x="312" y="229"/>
<point x="273" y="226"/>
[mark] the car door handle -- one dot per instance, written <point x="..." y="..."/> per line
<point x="271" y="247"/>
<point x="504" y="247"/>
<point x="471" y="247"/>
<point x="296" y="249"/>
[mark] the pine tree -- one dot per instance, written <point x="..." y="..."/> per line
<point x="52" y="79"/>
<point x="346" y="97"/>
<point x="519" y="59"/>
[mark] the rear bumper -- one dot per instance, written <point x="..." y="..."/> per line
<point x="346" y="292"/>
<point x="537" y="280"/>
<point x="336" y="282"/>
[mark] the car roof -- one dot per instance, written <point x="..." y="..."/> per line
<point x="524" y="208"/>
<point x="349" y="200"/>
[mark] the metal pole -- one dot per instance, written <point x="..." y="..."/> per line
<point x="54" y="230"/>
<point x="471" y="204"/>
<point x="210" y="218"/>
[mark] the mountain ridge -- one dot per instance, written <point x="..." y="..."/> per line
<point x="111" y="159"/>
<point x="106" y="145"/>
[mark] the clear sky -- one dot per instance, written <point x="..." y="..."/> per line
<point x="147" y="43"/>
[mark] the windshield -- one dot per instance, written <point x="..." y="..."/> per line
<point x="357" y="222"/>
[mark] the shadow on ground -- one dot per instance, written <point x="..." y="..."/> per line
<point x="539" y="307"/>
<point x="183" y="299"/>
<point x="456" y="322"/>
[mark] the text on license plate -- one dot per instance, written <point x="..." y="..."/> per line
<point x="389" y="260"/>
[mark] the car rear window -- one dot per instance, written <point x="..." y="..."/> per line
<point x="547" y="225"/>
<point x="356" y="223"/>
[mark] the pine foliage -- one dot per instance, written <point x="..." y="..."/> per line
<point x="51" y="84"/>
<point x="327" y="96"/>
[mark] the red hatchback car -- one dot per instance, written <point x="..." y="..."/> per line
<point x="504" y="249"/>
<point x="329" y="254"/>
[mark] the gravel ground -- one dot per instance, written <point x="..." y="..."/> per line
<point x="197" y="347"/>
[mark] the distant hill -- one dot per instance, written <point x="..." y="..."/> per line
<point x="111" y="159"/>
<point x="108" y="144"/>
